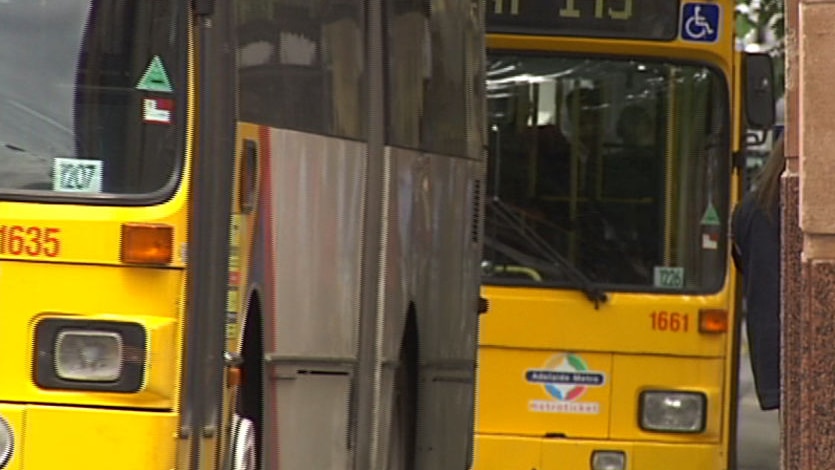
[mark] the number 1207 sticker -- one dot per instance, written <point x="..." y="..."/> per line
<point x="76" y="175"/>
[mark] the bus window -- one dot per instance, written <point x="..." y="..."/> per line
<point x="431" y="79"/>
<point x="588" y="154"/>
<point x="130" y="96"/>
<point x="289" y="52"/>
<point x="90" y="122"/>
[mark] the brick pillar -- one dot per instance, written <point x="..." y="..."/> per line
<point x="809" y="282"/>
<point x="792" y="338"/>
<point x="791" y="399"/>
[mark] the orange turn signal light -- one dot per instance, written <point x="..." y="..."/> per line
<point x="147" y="243"/>
<point x="713" y="321"/>
<point x="233" y="376"/>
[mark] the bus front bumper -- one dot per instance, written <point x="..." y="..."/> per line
<point x="526" y="453"/>
<point x="70" y="438"/>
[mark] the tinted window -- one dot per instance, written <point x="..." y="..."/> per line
<point x="302" y="65"/>
<point x="432" y="81"/>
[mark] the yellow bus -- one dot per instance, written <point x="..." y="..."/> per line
<point x="616" y="133"/>
<point x="239" y="235"/>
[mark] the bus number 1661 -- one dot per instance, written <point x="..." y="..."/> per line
<point x="670" y="321"/>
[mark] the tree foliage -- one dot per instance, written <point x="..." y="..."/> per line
<point x="761" y="23"/>
<point x="760" y="26"/>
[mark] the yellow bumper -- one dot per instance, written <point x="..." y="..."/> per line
<point x="526" y="453"/>
<point x="52" y="437"/>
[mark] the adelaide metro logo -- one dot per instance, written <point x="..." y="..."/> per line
<point x="565" y="377"/>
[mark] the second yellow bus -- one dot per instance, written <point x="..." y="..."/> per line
<point x="616" y="130"/>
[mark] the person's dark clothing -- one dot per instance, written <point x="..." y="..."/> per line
<point x="756" y="255"/>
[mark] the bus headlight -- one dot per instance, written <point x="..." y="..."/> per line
<point x="608" y="460"/>
<point x="89" y="355"/>
<point x="6" y="442"/>
<point x="672" y="411"/>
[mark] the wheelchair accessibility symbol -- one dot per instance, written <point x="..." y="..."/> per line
<point x="700" y="22"/>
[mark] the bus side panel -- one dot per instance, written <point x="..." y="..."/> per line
<point x="401" y="269"/>
<point x="310" y="236"/>
<point x="317" y="202"/>
<point x="431" y="266"/>
<point x="447" y="311"/>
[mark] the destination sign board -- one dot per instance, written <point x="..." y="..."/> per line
<point x="624" y="19"/>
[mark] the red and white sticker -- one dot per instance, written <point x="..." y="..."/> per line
<point x="157" y="110"/>
<point x="710" y="241"/>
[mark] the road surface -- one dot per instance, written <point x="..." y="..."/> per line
<point x="758" y="432"/>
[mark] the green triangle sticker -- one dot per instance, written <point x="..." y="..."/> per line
<point x="711" y="217"/>
<point x="155" y="78"/>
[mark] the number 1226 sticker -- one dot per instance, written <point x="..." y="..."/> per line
<point x="669" y="277"/>
<point x="77" y="175"/>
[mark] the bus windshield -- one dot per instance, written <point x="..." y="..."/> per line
<point x="614" y="168"/>
<point x="90" y="97"/>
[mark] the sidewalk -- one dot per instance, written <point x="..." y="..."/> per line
<point x="758" y="432"/>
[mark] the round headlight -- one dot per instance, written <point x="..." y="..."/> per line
<point x="6" y="442"/>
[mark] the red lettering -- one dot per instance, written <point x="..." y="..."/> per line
<point x="33" y="245"/>
<point x="52" y="244"/>
<point x="31" y="241"/>
<point x="670" y="321"/>
<point x="16" y="240"/>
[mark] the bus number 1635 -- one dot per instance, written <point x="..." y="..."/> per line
<point x="18" y="240"/>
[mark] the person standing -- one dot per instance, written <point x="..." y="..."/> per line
<point x="756" y="254"/>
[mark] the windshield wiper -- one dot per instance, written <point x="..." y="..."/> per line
<point x="551" y="255"/>
<point x="521" y="257"/>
